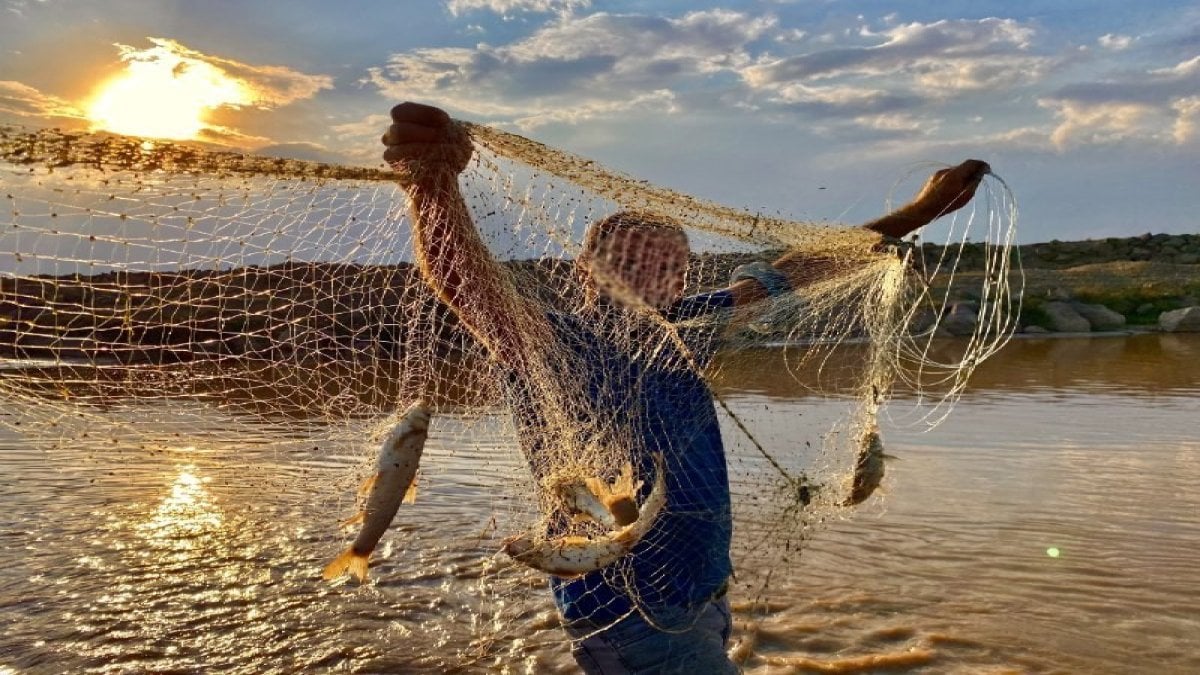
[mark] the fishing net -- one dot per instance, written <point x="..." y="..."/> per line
<point x="150" y="288"/>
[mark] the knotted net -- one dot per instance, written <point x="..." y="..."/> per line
<point x="152" y="293"/>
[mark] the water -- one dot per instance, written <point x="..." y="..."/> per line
<point x="1049" y="525"/>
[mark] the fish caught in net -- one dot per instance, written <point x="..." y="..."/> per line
<point x="144" y="284"/>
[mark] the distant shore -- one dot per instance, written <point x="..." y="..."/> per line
<point x="336" y="310"/>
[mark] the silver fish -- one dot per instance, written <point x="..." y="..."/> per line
<point x="868" y="470"/>
<point x="392" y="483"/>
<point x="572" y="556"/>
<point x="611" y="505"/>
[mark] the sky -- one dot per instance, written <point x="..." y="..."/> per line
<point x="1090" y="112"/>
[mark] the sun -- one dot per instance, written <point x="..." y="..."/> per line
<point x="164" y="98"/>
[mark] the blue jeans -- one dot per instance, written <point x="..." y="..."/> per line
<point x="634" y="646"/>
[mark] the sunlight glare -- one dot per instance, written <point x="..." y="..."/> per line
<point x="164" y="97"/>
<point x="188" y="512"/>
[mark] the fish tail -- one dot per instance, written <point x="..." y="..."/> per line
<point x="348" y="561"/>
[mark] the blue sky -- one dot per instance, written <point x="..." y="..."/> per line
<point x="1090" y="111"/>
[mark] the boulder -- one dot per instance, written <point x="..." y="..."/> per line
<point x="1064" y="319"/>
<point x="1099" y="316"/>
<point x="961" y="319"/>
<point x="922" y="321"/>
<point x="1186" y="320"/>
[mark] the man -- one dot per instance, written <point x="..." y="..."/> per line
<point x="608" y="374"/>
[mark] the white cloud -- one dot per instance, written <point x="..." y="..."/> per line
<point x="659" y="101"/>
<point x="1127" y="106"/>
<point x="1187" y="124"/>
<point x="577" y="68"/>
<point x="510" y="7"/>
<point x="947" y="54"/>
<point x="1115" y="42"/>
<point x="1098" y="123"/>
<point x="899" y="122"/>
<point x="885" y="83"/>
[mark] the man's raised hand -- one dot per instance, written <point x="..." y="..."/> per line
<point x="424" y="144"/>
<point x="950" y="189"/>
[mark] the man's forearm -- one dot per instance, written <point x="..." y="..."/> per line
<point x="901" y="222"/>
<point x="456" y="263"/>
<point x="945" y="192"/>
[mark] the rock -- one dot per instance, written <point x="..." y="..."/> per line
<point x="1186" y="320"/>
<point x="1064" y="319"/>
<point x="961" y="319"/>
<point x="1034" y="330"/>
<point x="1099" y="316"/>
<point x="922" y="321"/>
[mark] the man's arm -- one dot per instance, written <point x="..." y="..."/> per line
<point x="428" y="150"/>
<point x="946" y="191"/>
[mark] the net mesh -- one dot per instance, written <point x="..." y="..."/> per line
<point x="144" y="285"/>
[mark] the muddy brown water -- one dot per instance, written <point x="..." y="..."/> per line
<point x="1050" y="525"/>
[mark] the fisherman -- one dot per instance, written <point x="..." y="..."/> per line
<point x="669" y="612"/>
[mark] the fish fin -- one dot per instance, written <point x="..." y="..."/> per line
<point x="410" y="495"/>
<point x="890" y="458"/>
<point x="355" y="519"/>
<point x="347" y="561"/>
<point x="598" y="487"/>
<point x="365" y="488"/>
<point x="624" y="484"/>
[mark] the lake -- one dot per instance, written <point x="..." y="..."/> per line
<point x="1049" y="525"/>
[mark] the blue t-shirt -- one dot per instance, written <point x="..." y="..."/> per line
<point x="651" y="395"/>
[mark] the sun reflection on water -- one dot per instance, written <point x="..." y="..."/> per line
<point x="186" y="516"/>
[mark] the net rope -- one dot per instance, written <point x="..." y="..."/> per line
<point x="144" y="284"/>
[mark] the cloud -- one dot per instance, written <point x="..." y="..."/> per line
<point x="1129" y="105"/>
<point x="1098" y="123"/>
<point x="879" y="87"/>
<point x="1187" y="124"/>
<point x="1115" y="42"/>
<point x="577" y="68"/>
<point x="659" y="101"/>
<point x="19" y="100"/>
<point x="869" y="84"/>
<point x="953" y="55"/>
<point x="841" y="100"/>
<point x="507" y="8"/>
<point x="267" y="86"/>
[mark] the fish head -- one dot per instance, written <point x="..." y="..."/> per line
<point x="517" y="545"/>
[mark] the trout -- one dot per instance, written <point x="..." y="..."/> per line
<point x="396" y="471"/>
<point x="611" y="505"/>
<point x="572" y="556"/>
<point x="868" y="470"/>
